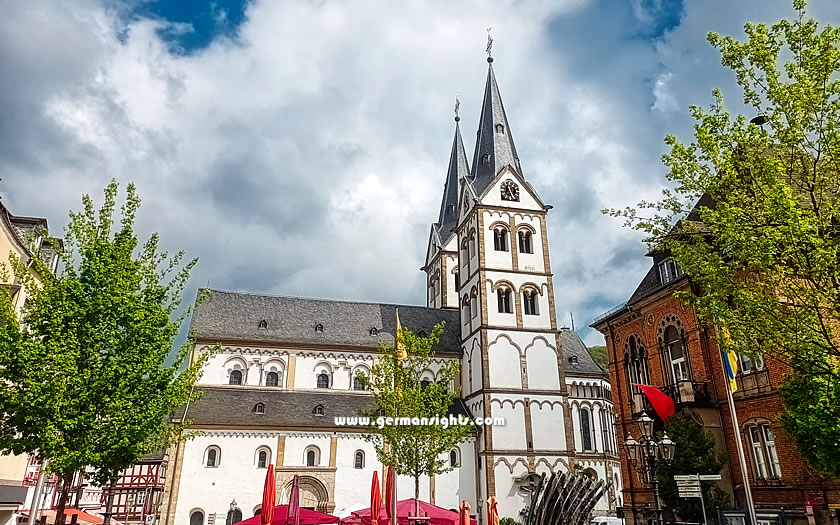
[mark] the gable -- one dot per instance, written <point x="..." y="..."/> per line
<point x="511" y="181"/>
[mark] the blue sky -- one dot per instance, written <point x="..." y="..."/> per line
<point x="300" y="147"/>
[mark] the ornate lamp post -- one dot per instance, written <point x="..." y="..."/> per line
<point x="644" y="455"/>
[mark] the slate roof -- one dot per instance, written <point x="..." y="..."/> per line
<point x="236" y="316"/>
<point x="234" y="406"/>
<point x="499" y="146"/>
<point x="458" y="169"/>
<point x="571" y="345"/>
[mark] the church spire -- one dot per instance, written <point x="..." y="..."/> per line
<point x="458" y="169"/>
<point x="494" y="147"/>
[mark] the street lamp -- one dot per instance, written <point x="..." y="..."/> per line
<point x="644" y="454"/>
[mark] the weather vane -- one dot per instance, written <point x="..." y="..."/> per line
<point x="457" y="105"/>
<point x="489" y="42"/>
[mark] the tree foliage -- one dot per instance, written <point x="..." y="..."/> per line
<point x="83" y="379"/>
<point x="414" y="450"/>
<point x="695" y="453"/>
<point x="599" y="355"/>
<point x="762" y="246"/>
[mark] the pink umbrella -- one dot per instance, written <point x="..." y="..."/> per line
<point x="405" y="508"/>
<point x="269" y="498"/>
<point x="375" y="499"/>
<point x="305" y="517"/>
<point x="293" y="516"/>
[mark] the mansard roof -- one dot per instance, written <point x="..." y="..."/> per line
<point x="496" y="144"/>
<point x="571" y="345"/>
<point x="236" y="316"/>
<point x="234" y="406"/>
<point x="458" y="170"/>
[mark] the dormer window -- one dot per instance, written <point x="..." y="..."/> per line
<point x="319" y="328"/>
<point x="485" y="159"/>
<point x="669" y="270"/>
<point x="374" y="332"/>
<point x="574" y="361"/>
<point x="318" y="410"/>
<point x="263" y="325"/>
<point x="259" y="408"/>
<point x="450" y="209"/>
<point x="500" y="129"/>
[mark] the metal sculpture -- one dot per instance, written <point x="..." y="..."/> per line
<point x="564" y="499"/>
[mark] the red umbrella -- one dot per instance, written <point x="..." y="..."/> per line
<point x="305" y="516"/>
<point x="492" y="511"/>
<point x="464" y="514"/>
<point x="293" y="513"/>
<point x="375" y="498"/>
<point x="269" y="498"/>
<point x="389" y="494"/>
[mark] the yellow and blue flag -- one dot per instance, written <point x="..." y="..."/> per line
<point x="730" y="362"/>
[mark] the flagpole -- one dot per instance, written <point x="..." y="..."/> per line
<point x="397" y="337"/>
<point x="739" y="444"/>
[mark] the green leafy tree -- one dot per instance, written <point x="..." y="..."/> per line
<point x="83" y="379"/>
<point x="411" y="448"/>
<point x="762" y="246"/>
<point x="694" y="453"/>
<point x="599" y="355"/>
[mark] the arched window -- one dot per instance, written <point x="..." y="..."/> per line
<point x="465" y="254"/>
<point x="262" y="459"/>
<point x="259" y="408"/>
<point x="197" y="518"/>
<point x="453" y="458"/>
<point x="318" y="410"/>
<point x="474" y="305"/>
<point x="525" y="242"/>
<point x="573" y="360"/>
<point x="359" y="460"/>
<point x="585" y="430"/>
<point x="472" y="245"/>
<point x="485" y="159"/>
<point x="676" y="354"/>
<point x="234" y="515"/>
<point x="503" y="296"/>
<point x="424" y="384"/>
<point x="312" y="456"/>
<point x="358" y="384"/>
<point x="323" y="380"/>
<point x="635" y="362"/>
<point x="212" y="456"/>
<point x="467" y="309"/>
<point x="257" y="510"/>
<point x="500" y="239"/>
<point x="235" y="377"/>
<point x="272" y="379"/>
<point x="457" y="281"/>
<point x="529" y="302"/>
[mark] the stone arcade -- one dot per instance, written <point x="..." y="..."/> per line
<point x="287" y="365"/>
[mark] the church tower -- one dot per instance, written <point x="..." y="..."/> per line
<point x="442" y="253"/>
<point x="513" y="366"/>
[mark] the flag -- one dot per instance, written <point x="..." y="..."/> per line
<point x="659" y="400"/>
<point x="730" y="361"/>
<point x="401" y="352"/>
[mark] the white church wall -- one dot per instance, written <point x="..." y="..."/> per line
<point x="501" y="259"/>
<point x="541" y="364"/>
<point x="531" y="262"/>
<point x="503" y="360"/>
<point x="212" y="489"/>
<point x="511" y="435"/>
<point x="298" y="443"/>
<point x="458" y="484"/>
<point x="493" y="195"/>
<point x="352" y="485"/>
<point x="511" y="498"/>
<point x="547" y="424"/>
<point x="451" y="270"/>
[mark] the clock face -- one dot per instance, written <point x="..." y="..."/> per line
<point x="510" y="191"/>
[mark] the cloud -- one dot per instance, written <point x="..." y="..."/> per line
<point x="301" y="147"/>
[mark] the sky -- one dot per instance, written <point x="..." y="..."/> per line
<point x="300" y="147"/>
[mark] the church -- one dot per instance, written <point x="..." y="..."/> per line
<point x="287" y="367"/>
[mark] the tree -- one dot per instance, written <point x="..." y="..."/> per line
<point x="599" y="355"/>
<point x="761" y="245"/>
<point x="83" y="380"/>
<point x="416" y="444"/>
<point x="694" y="453"/>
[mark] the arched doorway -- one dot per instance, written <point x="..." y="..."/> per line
<point x="313" y="494"/>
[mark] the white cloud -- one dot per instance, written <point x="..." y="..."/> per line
<point x="306" y="155"/>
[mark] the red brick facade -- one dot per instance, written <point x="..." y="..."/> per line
<point x="703" y="396"/>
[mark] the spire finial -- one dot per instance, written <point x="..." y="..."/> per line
<point x="457" y="106"/>
<point x="489" y="45"/>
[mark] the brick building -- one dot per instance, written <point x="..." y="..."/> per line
<point x="654" y="339"/>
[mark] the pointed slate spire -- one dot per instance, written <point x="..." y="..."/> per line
<point x="494" y="147"/>
<point x="458" y="169"/>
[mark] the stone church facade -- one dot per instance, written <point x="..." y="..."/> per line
<point x="287" y="367"/>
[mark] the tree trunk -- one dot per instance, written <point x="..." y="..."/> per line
<point x="109" y="505"/>
<point x="66" y="483"/>
<point x="416" y="495"/>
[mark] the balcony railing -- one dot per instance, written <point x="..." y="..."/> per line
<point x="753" y="383"/>
<point x="683" y="392"/>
